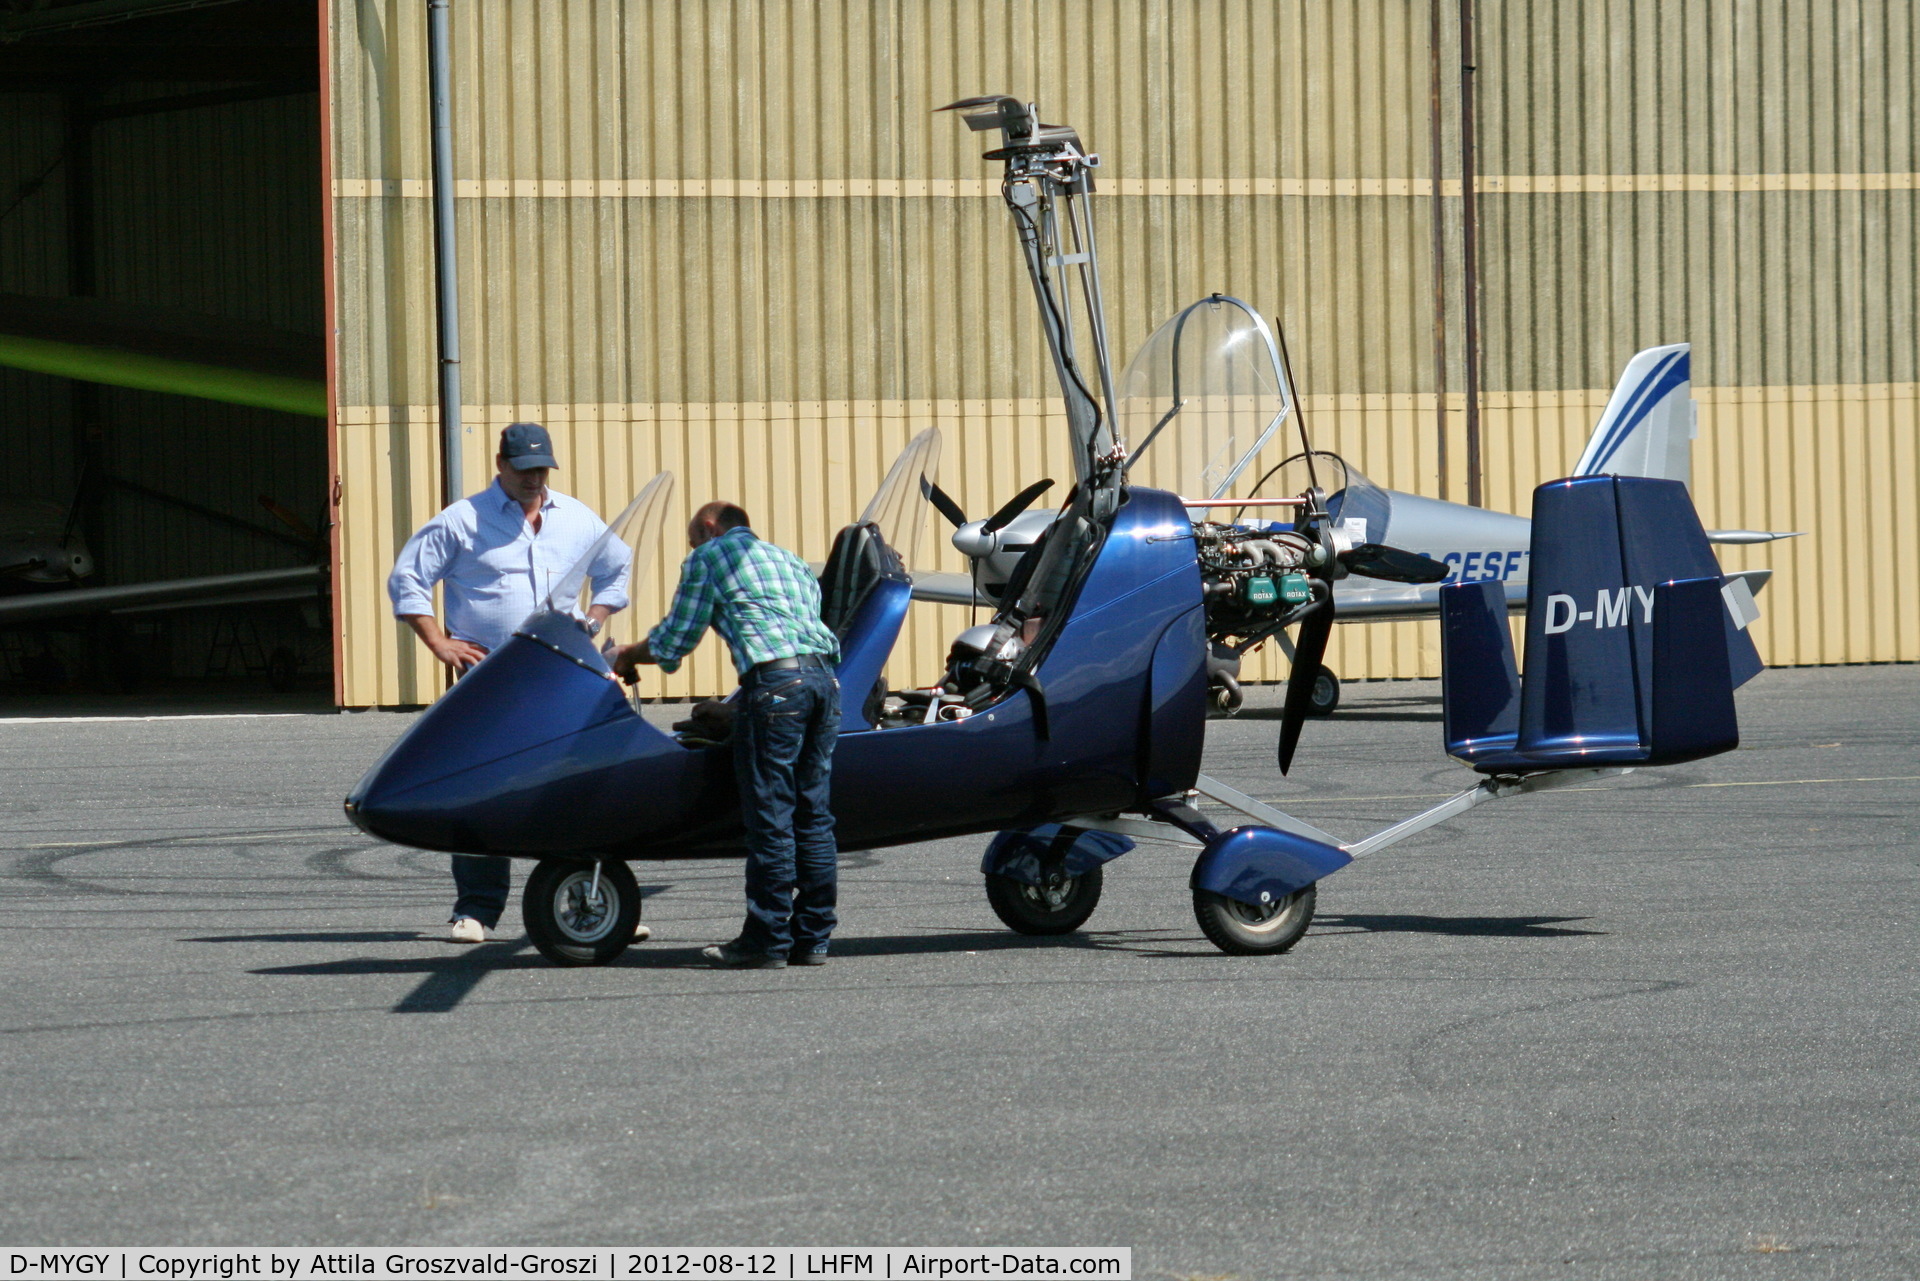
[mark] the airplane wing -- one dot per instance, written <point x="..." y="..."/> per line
<point x="946" y="589"/>
<point x="224" y="589"/>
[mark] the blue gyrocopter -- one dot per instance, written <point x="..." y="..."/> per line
<point x="1072" y="723"/>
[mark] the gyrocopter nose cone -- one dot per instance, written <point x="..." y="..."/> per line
<point x="466" y="775"/>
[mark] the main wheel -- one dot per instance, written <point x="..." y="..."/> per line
<point x="1326" y="694"/>
<point x="1057" y="908"/>
<point x="1244" y="930"/>
<point x="570" y="921"/>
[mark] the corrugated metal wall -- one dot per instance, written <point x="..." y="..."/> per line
<point x="732" y="239"/>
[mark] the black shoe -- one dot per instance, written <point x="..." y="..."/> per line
<point x="809" y="956"/>
<point x="732" y="956"/>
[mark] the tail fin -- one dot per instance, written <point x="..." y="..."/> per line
<point x="1647" y="428"/>
<point x="1635" y="640"/>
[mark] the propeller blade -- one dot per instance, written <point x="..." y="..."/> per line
<point x="1308" y="649"/>
<point x="1015" y="505"/>
<point x="1377" y="560"/>
<point x="943" y="502"/>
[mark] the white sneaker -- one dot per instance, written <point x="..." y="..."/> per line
<point x="467" y="930"/>
<point x="641" y="933"/>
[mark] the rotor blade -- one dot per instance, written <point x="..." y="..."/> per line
<point x="943" y="502"/>
<point x="1015" y="505"/>
<point x="1308" y="649"/>
<point x="1377" y="560"/>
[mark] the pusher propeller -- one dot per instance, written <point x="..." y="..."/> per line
<point x="1308" y="649"/>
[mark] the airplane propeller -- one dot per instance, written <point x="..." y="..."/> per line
<point x="1369" y="560"/>
<point x="943" y="503"/>
<point x="1308" y="649"/>
<point x="1377" y="560"/>
<point x="1009" y="510"/>
<point x="1015" y="505"/>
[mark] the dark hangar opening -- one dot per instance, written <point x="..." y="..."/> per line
<point x="162" y="360"/>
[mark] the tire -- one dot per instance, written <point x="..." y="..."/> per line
<point x="1240" y="930"/>
<point x="1034" y="909"/>
<point x="1326" y="694"/>
<point x="564" y="926"/>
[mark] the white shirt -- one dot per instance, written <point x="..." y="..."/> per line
<point x="497" y="570"/>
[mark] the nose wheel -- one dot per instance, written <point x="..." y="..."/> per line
<point x="580" y="913"/>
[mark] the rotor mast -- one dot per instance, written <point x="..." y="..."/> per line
<point x="1048" y="171"/>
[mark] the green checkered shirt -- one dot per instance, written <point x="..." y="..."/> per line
<point x="762" y="599"/>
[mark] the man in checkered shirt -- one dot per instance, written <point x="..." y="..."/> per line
<point x="765" y="603"/>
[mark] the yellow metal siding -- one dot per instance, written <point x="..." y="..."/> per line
<point x="732" y="239"/>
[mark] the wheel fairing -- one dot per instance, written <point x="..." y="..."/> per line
<point x="1247" y="862"/>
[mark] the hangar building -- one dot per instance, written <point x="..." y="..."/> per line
<point x="731" y="239"/>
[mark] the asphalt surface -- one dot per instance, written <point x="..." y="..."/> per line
<point x="1666" y="1027"/>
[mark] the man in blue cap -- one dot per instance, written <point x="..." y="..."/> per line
<point x="499" y="554"/>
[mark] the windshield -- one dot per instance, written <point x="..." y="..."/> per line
<point x="898" y="507"/>
<point x="1201" y="397"/>
<point x="623" y="554"/>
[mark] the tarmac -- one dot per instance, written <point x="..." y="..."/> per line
<point x="1665" y="1026"/>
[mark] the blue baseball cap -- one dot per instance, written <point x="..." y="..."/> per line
<point x="526" y="445"/>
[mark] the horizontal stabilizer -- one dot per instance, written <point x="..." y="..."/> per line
<point x="1746" y="537"/>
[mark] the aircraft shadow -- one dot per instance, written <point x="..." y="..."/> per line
<point x="351" y="936"/>
<point x="445" y="981"/>
<point x="1514" y="927"/>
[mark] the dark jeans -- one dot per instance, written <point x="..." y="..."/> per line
<point x="481" y="883"/>
<point x="783" y="743"/>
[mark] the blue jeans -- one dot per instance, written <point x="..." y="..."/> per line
<point x="783" y="739"/>
<point x="480" y="884"/>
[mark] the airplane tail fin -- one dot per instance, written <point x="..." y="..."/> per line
<point x="1635" y="640"/>
<point x="1647" y="428"/>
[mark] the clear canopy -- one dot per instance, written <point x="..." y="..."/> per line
<point x="627" y="546"/>
<point x="1201" y="397"/>
<point x="899" y="506"/>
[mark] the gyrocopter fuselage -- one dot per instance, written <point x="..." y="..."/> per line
<point x="1072" y="723"/>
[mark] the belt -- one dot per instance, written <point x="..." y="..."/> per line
<point x="788" y="664"/>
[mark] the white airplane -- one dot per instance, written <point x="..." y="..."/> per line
<point x="1217" y="361"/>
